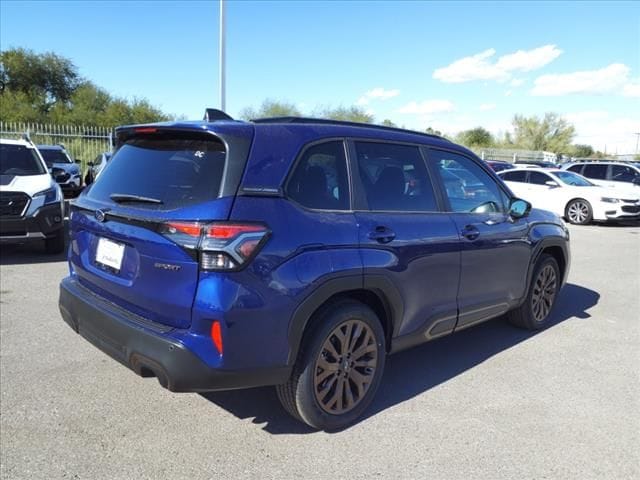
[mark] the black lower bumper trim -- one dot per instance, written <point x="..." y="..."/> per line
<point x="152" y="354"/>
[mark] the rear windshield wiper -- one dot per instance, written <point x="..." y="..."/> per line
<point x="126" y="197"/>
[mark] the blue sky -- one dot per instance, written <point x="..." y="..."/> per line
<point x="449" y="65"/>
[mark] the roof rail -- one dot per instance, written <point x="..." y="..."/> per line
<point x="326" y="121"/>
<point x="213" y="114"/>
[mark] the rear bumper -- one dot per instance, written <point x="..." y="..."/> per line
<point x="47" y="222"/>
<point x="146" y="348"/>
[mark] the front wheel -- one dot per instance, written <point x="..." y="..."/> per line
<point x="339" y="368"/>
<point x="534" y="313"/>
<point x="579" y="212"/>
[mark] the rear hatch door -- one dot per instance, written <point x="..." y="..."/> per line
<point x="123" y="245"/>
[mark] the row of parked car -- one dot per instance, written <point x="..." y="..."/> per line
<point x="581" y="192"/>
<point x="35" y="181"/>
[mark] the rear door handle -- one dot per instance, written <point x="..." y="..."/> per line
<point x="382" y="234"/>
<point x="470" y="232"/>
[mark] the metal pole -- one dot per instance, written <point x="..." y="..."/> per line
<point x="222" y="59"/>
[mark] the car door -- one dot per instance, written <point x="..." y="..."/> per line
<point x="406" y="241"/>
<point x="624" y="177"/>
<point x="517" y="182"/>
<point x="495" y="251"/>
<point x="545" y="192"/>
<point x="596" y="173"/>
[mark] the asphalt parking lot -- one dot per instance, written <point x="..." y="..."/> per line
<point x="491" y="402"/>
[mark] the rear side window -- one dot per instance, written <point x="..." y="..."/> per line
<point x="599" y="172"/>
<point x="518" y="176"/>
<point x="395" y="178"/>
<point x="320" y="179"/>
<point x="575" y="168"/>
<point x="179" y="170"/>
<point x="19" y="160"/>
<point x="622" y="173"/>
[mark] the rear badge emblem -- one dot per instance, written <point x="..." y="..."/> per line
<point x="100" y="215"/>
<point x="167" y="266"/>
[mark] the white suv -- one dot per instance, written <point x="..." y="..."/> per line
<point x="625" y="176"/>
<point x="31" y="202"/>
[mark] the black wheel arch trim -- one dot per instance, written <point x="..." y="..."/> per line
<point x="378" y="285"/>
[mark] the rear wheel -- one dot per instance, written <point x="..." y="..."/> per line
<point x="534" y="313"/>
<point x="339" y="368"/>
<point x="55" y="244"/>
<point x="578" y="212"/>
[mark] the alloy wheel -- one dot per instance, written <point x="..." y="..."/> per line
<point x="578" y="212"/>
<point x="544" y="293"/>
<point x="345" y="367"/>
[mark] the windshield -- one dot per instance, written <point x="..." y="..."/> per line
<point x="54" y="156"/>
<point x="573" y="179"/>
<point x="176" y="169"/>
<point x="19" y="160"/>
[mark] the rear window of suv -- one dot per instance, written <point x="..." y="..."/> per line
<point x="176" y="169"/>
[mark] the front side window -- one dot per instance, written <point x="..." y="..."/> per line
<point x="622" y="173"/>
<point x="467" y="186"/>
<point x="394" y="178"/>
<point x="599" y="172"/>
<point x="538" y="178"/>
<point x="19" y="160"/>
<point x="320" y="179"/>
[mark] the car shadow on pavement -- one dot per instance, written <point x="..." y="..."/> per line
<point x="410" y="373"/>
<point x="31" y="252"/>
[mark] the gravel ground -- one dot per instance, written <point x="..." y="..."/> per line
<point x="491" y="402"/>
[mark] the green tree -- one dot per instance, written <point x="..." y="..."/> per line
<point x="431" y="131"/>
<point x="551" y="133"/>
<point x="271" y="108"/>
<point x="348" y="114"/>
<point x="476" y="137"/>
<point x="388" y="123"/>
<point x="582" y="151"/>
<point x="46" y="88"/>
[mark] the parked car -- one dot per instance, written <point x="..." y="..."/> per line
<point x="571" y="195"/>
<point x="534" y="164"/>
<point x="31" y="202"/>
<point x="624" y="176"/>
<point x="65" y="171"/>
<point x="498" y="166"/>
<point x="297" y="253"/>
<point x="95" y="167"/>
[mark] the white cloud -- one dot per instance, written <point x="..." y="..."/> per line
<point x="508" y="93"/>
<point x="516" y="82"/>
<point x="611" y="79"/>
<point x="480" y="67"/>
<point x="377" y="93"/>
<point x="603" y="131"/>
<point x="426" y="107"/>
<point x="487" y="106"/>
<point x="632" y="89"/>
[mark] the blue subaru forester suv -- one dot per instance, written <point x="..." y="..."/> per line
<point x="298" y="253"/>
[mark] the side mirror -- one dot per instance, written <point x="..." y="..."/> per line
<point x="78" y="161"/>
<point x="50" y="170"/>
<point x="551" y="184"/>
<point x="519" y="208"/>
<point x="90" y="164"/>
<point x="636" y="181"/>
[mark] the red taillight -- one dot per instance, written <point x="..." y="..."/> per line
<point x="216" y="335"/>
<point x="225" y="232"/>
<point x="145" y="130"/>
<point x="222" y="246"/>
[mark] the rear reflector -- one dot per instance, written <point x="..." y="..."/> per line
<point x="216" y="336"/>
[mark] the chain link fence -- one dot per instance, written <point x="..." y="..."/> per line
<point x="82" y="142"/>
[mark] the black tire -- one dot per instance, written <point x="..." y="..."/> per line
<point x="343" y="381"/>
<point x="578" y="211"/>
<point x="55" y="244"/>
<point x="534" y="313"/>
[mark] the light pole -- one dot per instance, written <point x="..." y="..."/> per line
<point x="222" y="59"/>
